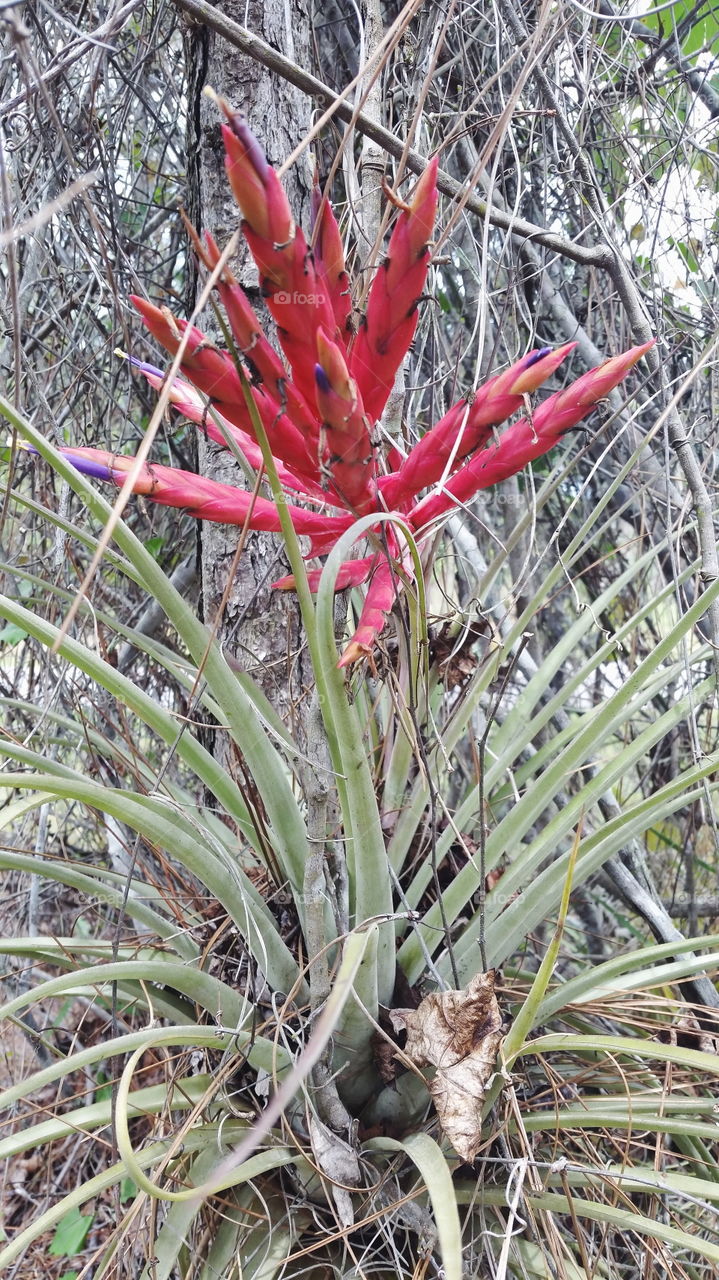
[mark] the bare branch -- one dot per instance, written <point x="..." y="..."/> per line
<point x="309" y="84"/>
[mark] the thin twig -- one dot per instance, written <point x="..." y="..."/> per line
<point x="254" y="47"/>
<point x="621" y="276"/>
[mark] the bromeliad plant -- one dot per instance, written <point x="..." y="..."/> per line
<point x="298" y="1132"/>
<point x="321" y="420"/>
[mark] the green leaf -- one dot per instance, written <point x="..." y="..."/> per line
<point x="104" y="1092"/>
<point x="429" y="1159"/>
<point x="168" y="829"/>
<point x="128" y="1190"/>
<point x="701" y="33"/>
<point x="244" y="718"/>
<point x="12" y="634"/>
<point x="627" y="1220"/>
<point x="151" y="1100"/>
<point x="195" y="1140"/>
<point x="154" y="546"/>
<point x="71" y="1233"/>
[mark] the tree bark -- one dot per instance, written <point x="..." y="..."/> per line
<point x="259" y="627"/>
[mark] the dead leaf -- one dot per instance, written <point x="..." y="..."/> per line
<point x="688" y="1032"/>
<point x="455" y="658"/>
<point x="458" y="1032"/>
<point x="339" y="1163"/>
<point x="384" y="1057"/>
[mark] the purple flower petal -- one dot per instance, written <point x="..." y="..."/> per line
<point x="240" y="128"/>
<point x="322" y="380"/>
<point x="535" y="356"/>
<point x="89" y="466"/>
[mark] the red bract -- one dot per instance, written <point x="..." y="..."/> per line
<point x="201" y="497"/>
<point x="526" y="440"/>
<point x="382" y="591"/>
<point x="319" y="417"/>
<point x="387" y="329"/>
<point x="194" y="406"/>
<point x="329" y="258"/>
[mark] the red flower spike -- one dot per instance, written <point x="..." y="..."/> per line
<point x="297" y="303"/>
<point x="209" y="369"/>
<point x="333" y="445"/>
<point x="191" y="404"/>
<point x="201" y="497"/>
<point x="292" y="288"/>
<point x="330" y="260"/>
<point x="394" y="457"/>
<point x="351" y="574"/>
<point x="381" y="595"/>
<point x="213" y="372"/>
<point x="468" y="425"/>
<point x="525" y="441"/>
<point x="254" y="348"/>
<point x="255" y="185"/>
<point x="385" y="336"/>
<point x="426" y="462"/>
<point x="346" y="454"/>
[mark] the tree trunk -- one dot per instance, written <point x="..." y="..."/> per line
<point x="259" y="627"/>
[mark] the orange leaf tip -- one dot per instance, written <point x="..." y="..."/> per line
<point x="538" y="366"/>
<point x="353" y="653"/>
<point x="331" y="371"/>
<point x="600" y="381"/>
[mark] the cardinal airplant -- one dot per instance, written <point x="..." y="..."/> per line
<point x="320" y="407"/>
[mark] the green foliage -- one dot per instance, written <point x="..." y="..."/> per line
<point x="698" y="24"/>
<point x="155" y="546"/>
<point x="11" y="634"/>
<point x="128" y="1190"/>
<point x="70" y="1233"/>
<point x="169" y="981"/>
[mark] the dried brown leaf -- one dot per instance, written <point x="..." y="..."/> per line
<point x="689" y="1033"/>
<point x="384" y="1057"/>
<point x="458" y="1032"/>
